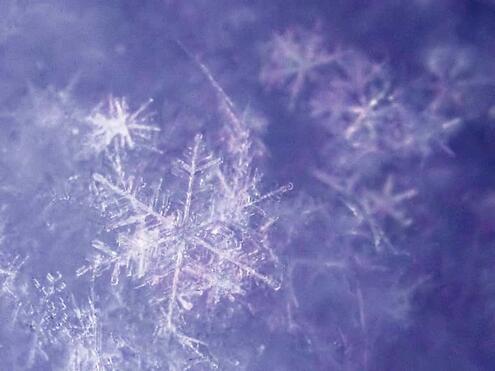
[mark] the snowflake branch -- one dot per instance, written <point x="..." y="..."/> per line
<point x="243" y="267"/>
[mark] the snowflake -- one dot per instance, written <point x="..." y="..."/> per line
<point x="356" y="289"/>
<point x="450" y="76"/>
<point x="48" y="107"/>
<point x="211" y="242"/>
<point x="295" y="57"/>
<point x="372" y="209"/>
<point x="433" y="131"/>
<point x="454" y="87"/>
<point x="388" y="203"/>
<point x="356" y="101"/>
<point x="199" y="242"/>
<point x="116" y="125"/>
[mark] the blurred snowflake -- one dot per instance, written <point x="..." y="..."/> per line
<point x="455" y="85"/>
<point x="356" y="101"/>
<point x="295" y="58"/>
<point x="364" y="294"/>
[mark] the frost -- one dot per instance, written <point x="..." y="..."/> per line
<point x="115" y="124"/>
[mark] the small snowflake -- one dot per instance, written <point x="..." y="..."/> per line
<point x="115" y="124"/>
<point x="295" y="56"/>
<point x="387" y="202"/>
<point x="356" y="100"/>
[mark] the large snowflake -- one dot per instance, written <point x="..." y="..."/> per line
<point x="205" y="237"/>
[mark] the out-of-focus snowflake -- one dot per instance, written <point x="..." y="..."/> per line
<point x="455" y="86"/>
<point x="114" y="124"/>
<point x="387" y="202"/>
<point x="373" y="208"/>
<point x="356" y="101"/>
<point x="48" y="107"/>
<point x="432" y="132"/>
<point x="361" y="298"/>
<point x="294" y="59"/>
<point x="356" y="98"/>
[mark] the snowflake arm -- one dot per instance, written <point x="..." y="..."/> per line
<point x="243" y="267"/>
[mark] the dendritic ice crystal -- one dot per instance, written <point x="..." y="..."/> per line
<point x="114" y="123"/>
<point x="203" y="239"/>
<point x="294" y="59"/>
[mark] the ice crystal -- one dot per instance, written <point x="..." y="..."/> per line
<point x="373" y="208"/>
<point x="451" y="77"/>
<point x="355" y="306"/>
<point x="8" y="277"/>
<point x="294" y="59"/>
<point x="206" y="236"/>
<point x="87" y="345"/>
<point x="357" y="101"/>
<point x="113" y="123"/>
<point x="356" y="98"/>
<point x="61" y="333"/>
<point x="388" y="203"/>
<point x="46" y="318"/>
<point x="11" y="287"/>
<point x="454" y="88"/>
<point x="182" y="261"/>
<point x="207" y="229"/>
